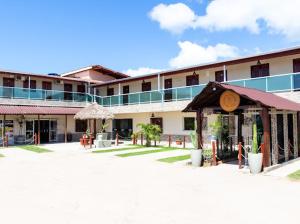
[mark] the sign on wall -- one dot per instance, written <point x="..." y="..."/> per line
<point x="229" y="101"/>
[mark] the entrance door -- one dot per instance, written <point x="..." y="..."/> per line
<point x="44" y="130"/>
<point x="47" y="86"/>
<point x="125" y="97"/>
<point x="158" y="121"/>
<point x="123" y="127"/>
<point x="68" y="88"/>
<point x="168" y="91"/>
<point x="8" y="83"/>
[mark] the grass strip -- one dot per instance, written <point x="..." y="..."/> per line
<point x="34" y="148"/>
<point x="175" y="158"/>
<point x="295" y="175"/>
<point x="118" y="149"/>
<point x="147" y="152"/>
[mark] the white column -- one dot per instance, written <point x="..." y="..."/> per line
<point x="295" y="134"/>
<point x="158" y="82"/>
<point x="274" y="138"/>
<point x="285" y="136"/>
<point x="224" y="73"/>
<point x="29" y="87"/>
<point x="119" y="97"/>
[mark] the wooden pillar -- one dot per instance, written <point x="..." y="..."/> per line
<point x="66" y="128"/>
<point x="199" y="117"/>
<point x="142" y="139"/>
<point x="184" y="141"/>
<point x="240" y="122"/>
<point x="274" y="138"/>
<point x="169" y="140"/>
<point x="240" y="155"/>
<point x="95" y="129"/>
<point x="266" y="136"/>
<point x="214" y="159"/>
<point x="3" y="130"/>
<point x="285" y="137"/>
<point x="39" y="130"/>
<point x="295" y="134"/>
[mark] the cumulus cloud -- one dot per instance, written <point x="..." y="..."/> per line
<point x="141" y="71"/>
<point x="192" y="54"/>
<point x="279" y="17"/>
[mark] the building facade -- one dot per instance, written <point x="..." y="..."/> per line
<point x="47" y="103"/>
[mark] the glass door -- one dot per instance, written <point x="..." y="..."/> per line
<point x="53" y="131"/>
<point x="29" y="130"/>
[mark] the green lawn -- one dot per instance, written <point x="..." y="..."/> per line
<point x="159" y="149"/>
<point x="1" y="155"/>
<point x="175" y="158"/>
<point x="33" y="148"/>
<point x="295" y="175"/>
<point x="119" y="149"/>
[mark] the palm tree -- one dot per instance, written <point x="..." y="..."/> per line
<point x="150" y="131"/>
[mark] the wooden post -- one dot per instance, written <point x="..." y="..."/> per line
<point x="66" y="125"/>
<point x="214" y="162"/>
<point x="95" y="129"/>
<point x="133" y="140"/>
<point x="6" y="140"/>
<point x="263" y="151"/>
<point x="240" y="155"/>
<point x="199" y="117"/>
<point x="3" y="130"/>
<point x="35" y="139"/>
<point x="184" y="141"/>
<point x="274" y="138"/>
<point x="142" y="139"/>
<point x="285" y="137"/>
<point x="90" y="141"/>
<point x="295" y="134"/>
<point x="39" y="130"/>
<point x="170" y="140"/>
<point x="266" y="136"/>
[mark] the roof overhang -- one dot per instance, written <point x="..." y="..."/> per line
<point x="37" y="110"/>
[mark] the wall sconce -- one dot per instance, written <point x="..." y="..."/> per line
<point x="152" y="115"/>
<point x="258" y="62"/>
<point x="194" y="73"/>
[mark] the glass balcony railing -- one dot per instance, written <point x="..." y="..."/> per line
<point x="40" y="94"/>
<point x="276" y="83"/>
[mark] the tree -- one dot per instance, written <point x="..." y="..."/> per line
<point x="150" y="132"/>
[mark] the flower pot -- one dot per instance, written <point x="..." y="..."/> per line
<point x="102" y="136"/>
<point x="255" y="162"/>
<point x="196" y="157"/>
<point x="178" y="142"/>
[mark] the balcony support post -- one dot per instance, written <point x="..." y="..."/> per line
<point x="3" y="130"/>
<point x="29" y="86"/>
<point x="224" y="73"/>
<point x="295" y="134"/>
<point x="266" y="136"/>
<point x="119" y="98"/>
<point x="285" y="136"/>
<point x="66" y="128"/>
<point x="199" y="117"/>
<point x="292" y="82"/>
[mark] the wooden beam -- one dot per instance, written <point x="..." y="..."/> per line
<point x="295" y="135"/>
<point x="66" y="128"/>
<point x="199" y="117"/>
<point x="274" y="139"/>
<point x="95" y="130"/>
<point x="285" y="137"/>
<point x="266" y="136"/>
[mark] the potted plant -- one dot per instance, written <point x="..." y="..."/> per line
<point x="151" y="132"/>
<point x="178" y="140"/>
<point x="103" y="135"/>
<point x="207" y="156"/>
<point x="255" y="158"/>
<point x="196" y="154"/>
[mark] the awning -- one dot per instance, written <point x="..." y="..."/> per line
<point x="37" y="110"/>
<point x="210" y="95"/>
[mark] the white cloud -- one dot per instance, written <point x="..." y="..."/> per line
<point x="193" y="54"/>
<point x="279" y="17"/>
<point x="174" y="17"/>
<point x="141" y="71"/>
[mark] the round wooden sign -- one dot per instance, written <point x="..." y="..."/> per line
<point x="229" y="100"/>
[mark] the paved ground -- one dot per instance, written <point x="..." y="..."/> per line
<point x="74" y="186"/>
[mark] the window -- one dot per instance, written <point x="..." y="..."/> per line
<point x="110" y="92"/>
<point x="261" y="70"/>
<point x="192" y="80"/>
<point x="146" y="86"/>
<point x="296" y="65"/>
<point x="32" y="84"/>
<point x="80" y="126"/>
<point x="219" y="76"/>
<point x="81" y="88"/>
<point x="189" y="123"/>
<point x="158" y="121"/>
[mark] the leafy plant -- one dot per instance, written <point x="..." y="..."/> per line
<point x="254" y="141"/>
<point x="207" y="154"/>
<point x="104" y="124"/>
<point x="151" y="132"/>
<point x="194" y="139"/>
<point x="216" y="127"/>
<point x="88" y="132"/>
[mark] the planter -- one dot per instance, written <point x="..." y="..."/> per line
<point x="196" y="157"/>
<point x="178" y="142"/>
<point x="102" y="136"/>
<point x="255" y="162"/>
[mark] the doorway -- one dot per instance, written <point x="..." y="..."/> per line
<point x="125" y="96"/>
<point x="44" y="130"/>
<point x="168" y="90"/>
<point x="123" y="127"/>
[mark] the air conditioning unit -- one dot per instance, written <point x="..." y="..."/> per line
<point x="60" y="82"/>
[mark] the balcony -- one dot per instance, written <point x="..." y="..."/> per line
<point x="275" y="84"/>
<point x="43" y="95"/>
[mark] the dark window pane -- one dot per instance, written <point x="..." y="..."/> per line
<point x="80" y="125"/>
<point x="189" y="123"/>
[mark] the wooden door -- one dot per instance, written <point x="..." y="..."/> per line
<point x="219" y="76"/>
<point x="158" y="121"/>
<point x="68" y="88"/>
<point x="8" y="84"/>
<point x="192" y="80"/>
<point x="146" y="86"/>
<point x="296" y="65"/>
<point x="168" y="89"/>
<point x="81" y="88"/>
<point x="125" y="97"/>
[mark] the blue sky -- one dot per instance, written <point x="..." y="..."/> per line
<point x="58" y="36"/>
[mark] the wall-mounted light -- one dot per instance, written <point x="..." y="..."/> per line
<point x="258" y="62"/>
<point x="152" y="115"/>
<point x="194" y="73"/>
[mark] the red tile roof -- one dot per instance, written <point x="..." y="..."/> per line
<point x="37" y="110"/>
<point x="209" y="97"/>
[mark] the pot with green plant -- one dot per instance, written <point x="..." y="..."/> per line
<point x="196" y="154"/>
<point x="255" y="158"/>
<point x="178" y="140"/>
<point x="102" y="135"/>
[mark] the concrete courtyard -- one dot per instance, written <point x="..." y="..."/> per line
<point x="70" y="185"/>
